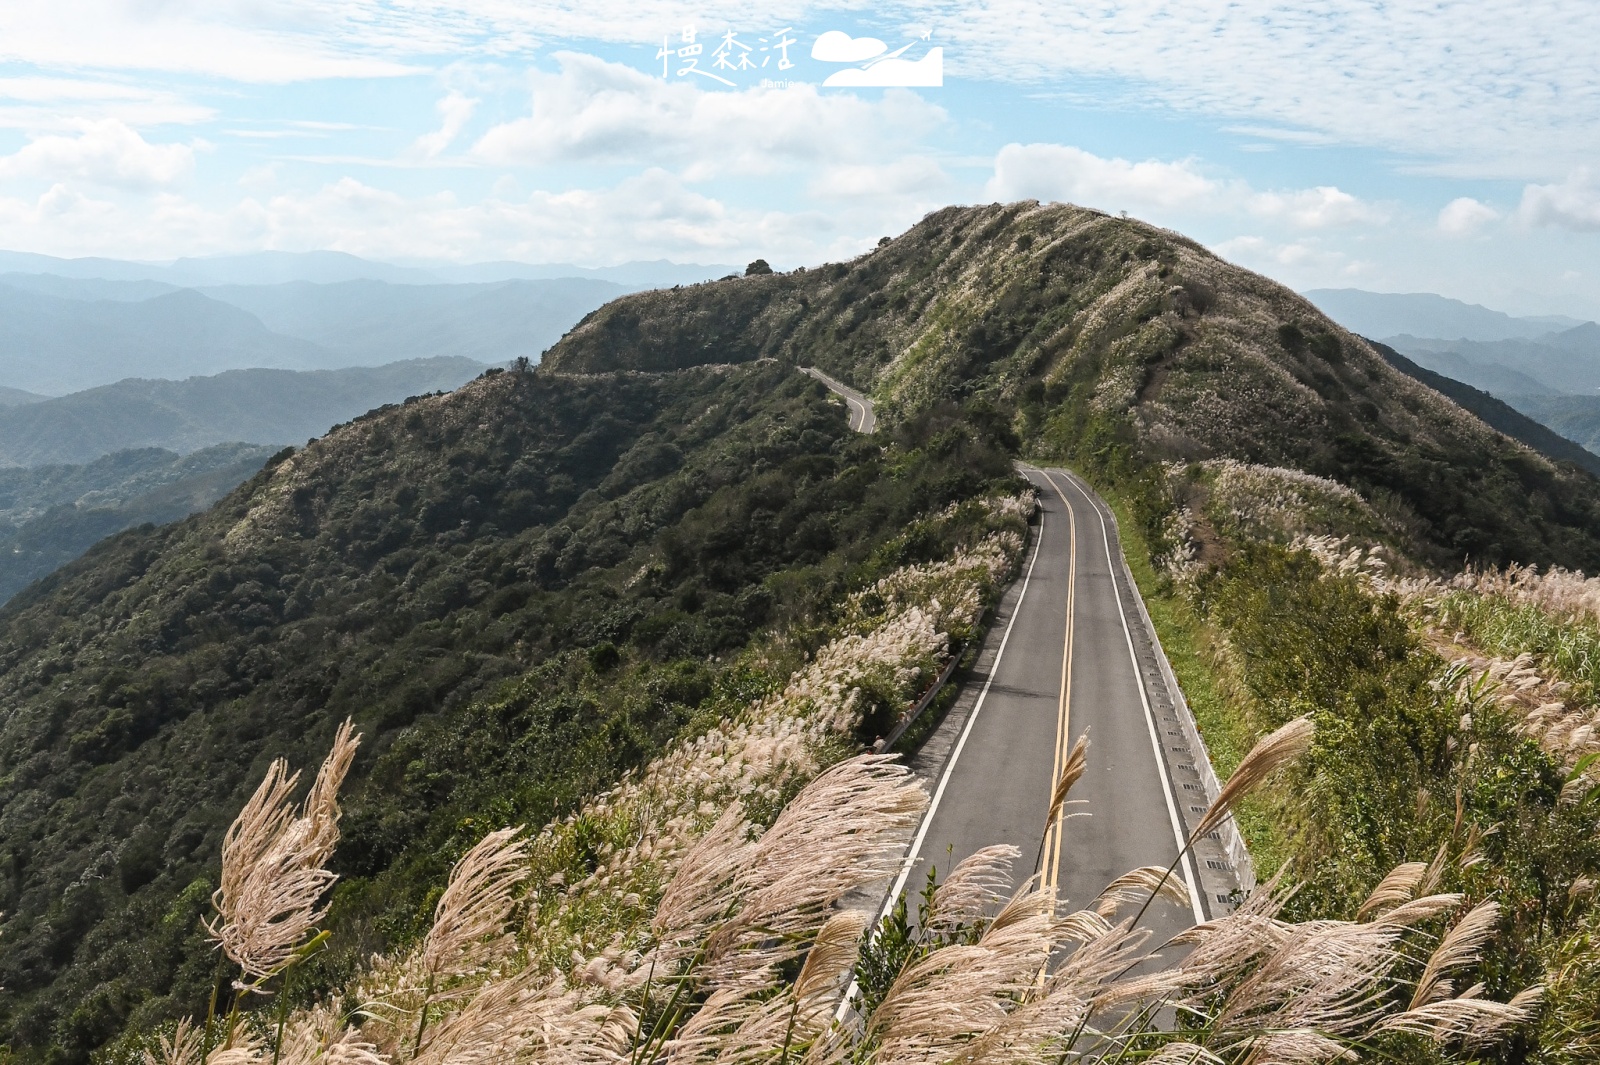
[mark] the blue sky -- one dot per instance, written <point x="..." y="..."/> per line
<point x="1445" y="146"/>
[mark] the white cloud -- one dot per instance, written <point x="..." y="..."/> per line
<point x="1302" y="263"/>
<point x="455" y="111"/>
<point x="1315" y="208"/>
<point x="1464" y="216"/>
<point x="1572" y="204"/>
<point x="1167" y="191"/>
<point x="106" y="152"/>
<point x="594" y="111"/>
<point x="1062" y="172"/>
<point x="913" y="175"/>
<point x="651" y="215"/>
<point x="1501" y="86"/>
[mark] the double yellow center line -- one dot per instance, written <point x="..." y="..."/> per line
<point x="1050" y="868"/>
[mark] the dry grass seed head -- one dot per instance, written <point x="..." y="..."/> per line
<point x="273" y="859"/>
<point x="1071" y="772"/>
<point x="1460" y="947"/>
<point x="1400" y="886"/>
<point x="182" y="1047"/>
<point x="1270" y="753"/>
<point x="979" y="881"/>
<point x="469" y="923"/>
<point x="1137" y="885"/>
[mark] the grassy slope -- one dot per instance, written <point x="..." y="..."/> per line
<point x="1082" y="330"/>
<point x="460" y="572"/>
<point x="519" y="590"/>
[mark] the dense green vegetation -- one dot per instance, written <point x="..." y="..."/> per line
<point x="1084" y="332"/>
<point x="518" y="591"/>
<point x="527" y="587"/>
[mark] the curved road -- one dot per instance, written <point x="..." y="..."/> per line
<point x="862" y="417"/>
<point x="1071" y="652"/>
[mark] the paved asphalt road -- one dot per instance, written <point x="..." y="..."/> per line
<point x="1069" y="626"/>
<point x="862" y="417"/>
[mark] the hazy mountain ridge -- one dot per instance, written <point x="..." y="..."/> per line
<point x="332" y="267"/>
<point x="50" y="515"/>
<point x="259" y="406"/>
<point x="1563" y="362"/>
<point x="54" y="346"/>
<point x="364" y="322"/>
<point x="1424" y="314"/>
<point x="1524" y="425"/>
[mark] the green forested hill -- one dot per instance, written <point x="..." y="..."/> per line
<point x="578" y="551"/>
<point x="526" y="587"/>
<point x="1070" y="322"/>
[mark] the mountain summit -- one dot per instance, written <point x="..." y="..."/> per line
<point x="1066" y="321"/>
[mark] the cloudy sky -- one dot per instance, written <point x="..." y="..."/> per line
<point x="1421" y="145"/>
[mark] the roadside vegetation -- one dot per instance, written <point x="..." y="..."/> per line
<point x="614" y="633"/>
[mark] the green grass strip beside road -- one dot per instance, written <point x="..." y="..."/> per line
<point x="1193" y="648"/>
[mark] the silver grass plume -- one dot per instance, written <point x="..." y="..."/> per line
<point x="843" y="831"/>
<point x="1467" y="1018"/>
<point x="182" y="1047"/>
<point x="470" y="922"/>
<point x="1400" y="886"/>
<point x="1461" y="946"/>
<point x="318" y="1037"/>
<point x="273" y="865"/>
<point x="1183" y="1054"/>
<point x="520" y="1018"/>
<point x="935" y="1005"/>
<point x="1071" y="772"/>
<point x="1270" y="753"/>
<point x="979" y="881"/>
<point x="794" y="1020"/>
<point x="698" y="895"/>
<point x="1138" y="885"/>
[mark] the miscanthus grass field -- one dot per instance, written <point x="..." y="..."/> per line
<point x="718" y="905"/>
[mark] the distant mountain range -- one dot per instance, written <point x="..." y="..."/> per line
<point x="260" y="406"/>
<point x="1545" y="368"/>
<point x="72" y="324"/>
<point x="60" y="335"/>
<point x="332" y="267"/>
<point x="50" y="515"/>
<point x="1423" y="314"/>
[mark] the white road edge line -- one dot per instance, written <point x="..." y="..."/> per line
<point x="944" y="778"/>
<point x="1190" y="874"/>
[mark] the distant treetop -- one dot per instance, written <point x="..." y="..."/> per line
<point x="760" y="266"/>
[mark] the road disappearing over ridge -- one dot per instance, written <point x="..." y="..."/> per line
<point x="1071" y="652"/>
<point x="862" y="417"/>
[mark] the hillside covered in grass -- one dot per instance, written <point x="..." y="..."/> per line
<point x="529" y="588"/>
<point x="520" y="590"/>
<point x="1080" y="331"/>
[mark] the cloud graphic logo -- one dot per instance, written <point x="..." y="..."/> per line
<point x="924" y="73"/>
<point x="836" y="46"/>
